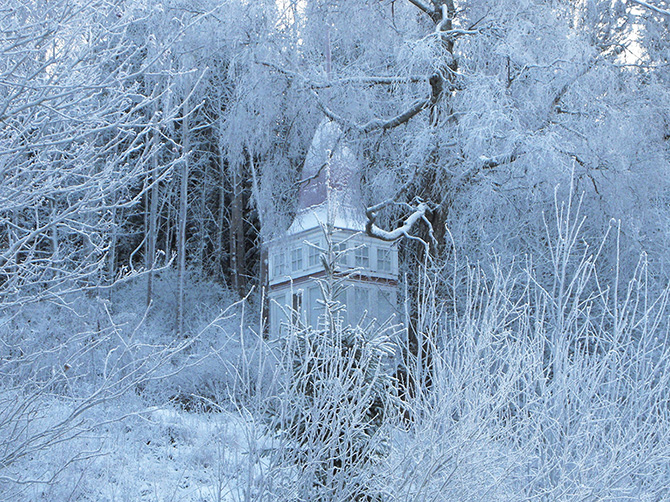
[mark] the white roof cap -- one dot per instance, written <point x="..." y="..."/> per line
<point x="330" y="191"/>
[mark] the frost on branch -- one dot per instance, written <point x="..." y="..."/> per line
<point x="402" y="231"/>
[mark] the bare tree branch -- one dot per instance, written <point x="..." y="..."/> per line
<point x="372" y="80"/>
<point x="362" y="80"/>
<point x="436" y="84"/>
<point x="663" y="12"/>
<point x="486" y="163"/>
<point x="334" y="116"/>
<point x="403" y="231"/>
<point x="414" y="110"/>
<point x="422" y="6"/>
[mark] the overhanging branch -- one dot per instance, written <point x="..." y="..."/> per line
<point x="414" y="110"/>
<point x="657" y="10"/>
<point x="372" y="80"/>
<point x="436" y="85"/>
<point x="392" y="235"/>
<point x="484" y="164"/>
<point x="422" y="6"/>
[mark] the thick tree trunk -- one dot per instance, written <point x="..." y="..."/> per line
<point x="221" y="259"/>
<point x="169" y="223"/>
<point x="202" y="221"/>
<point x="221" y="218"/>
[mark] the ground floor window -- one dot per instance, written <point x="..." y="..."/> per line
<point x="296" y="307"/>
<point x="361" y="303"/>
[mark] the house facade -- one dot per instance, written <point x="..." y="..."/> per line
<point x="330" y="220"/>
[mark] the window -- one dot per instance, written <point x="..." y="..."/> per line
<point x="384" y="259"/>
<point x="340" y="250"/>
<point x="315" y="307"/>
<point x="277" y="313"/>
<point x="385" y="305"/>
<point x="279" y="264"/>
<point x="296" y="259"/>
<point x="362" y="256"/>
<point x="274" y="318"/>
<point x="341" y="299"/>
<point x="313" y="254"/>
<point x="361" y="303"/>
<point x="296" y="307"/>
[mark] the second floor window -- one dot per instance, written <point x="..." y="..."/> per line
<point x="296" y="259"/>
<point x="313" y="255"/>
<point x="361" y="303"/>
<point x="279" y="264"/>
<point x="384" y="259"/>
<point x="341" y="250"/>
<point x="362" y="257"/>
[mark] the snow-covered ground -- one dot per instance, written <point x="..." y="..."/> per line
<point x="155" y="454"/>
<point x="109" y="375"/>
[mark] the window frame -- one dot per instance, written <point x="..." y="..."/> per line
<point x="314" y="252"/>
<point x="387" y="260"/>
<point x="296" y="259"/>
<point x="279" y="266"/>
<point x="362" y="256"/>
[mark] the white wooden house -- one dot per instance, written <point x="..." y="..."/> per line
<point x="330" y="194"/>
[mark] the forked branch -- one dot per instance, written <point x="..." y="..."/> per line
<point x="392" y="235"/>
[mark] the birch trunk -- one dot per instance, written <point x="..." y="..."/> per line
<point x="237" y="231"/>
<point x="152" y="217"/>
<point x="183" y="200"/>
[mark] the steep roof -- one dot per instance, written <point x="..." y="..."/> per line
<point x="330" y="191"/>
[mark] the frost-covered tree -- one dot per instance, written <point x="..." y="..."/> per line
<point x="75" y="146"/>
<point x="479" y="110"/>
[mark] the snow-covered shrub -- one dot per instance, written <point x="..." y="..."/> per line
<point x="333" y="401"/>
<point x="542" y="388"/>
<point x="220" y="354"/>
<point x="332" y="409"/>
